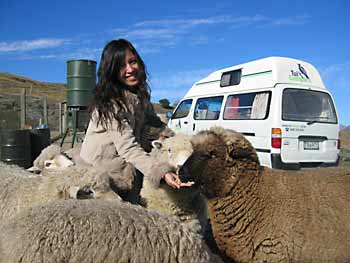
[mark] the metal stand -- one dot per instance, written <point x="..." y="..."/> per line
<point x="73" y="123"/>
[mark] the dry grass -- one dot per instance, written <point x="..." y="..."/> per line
<point x="12" y="85"/>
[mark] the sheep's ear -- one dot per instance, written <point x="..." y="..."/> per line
<point x="157" y="144"/>
<point x="63" y="161"/>
<point x="240" y="154"/>
<point x="34" y="169"/>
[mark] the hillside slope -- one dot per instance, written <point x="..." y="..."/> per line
<point x="12" y="85"/>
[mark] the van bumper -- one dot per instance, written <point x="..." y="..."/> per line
<point x="277" y="163"/>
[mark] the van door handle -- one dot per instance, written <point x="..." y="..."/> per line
<point x="194" y="126"/>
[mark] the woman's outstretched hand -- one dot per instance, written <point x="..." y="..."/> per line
<point x="174" y="181"/>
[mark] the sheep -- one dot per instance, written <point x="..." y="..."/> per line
<point x="22" y="189"/>
<point x="53" y="157"/>
<point x="266" y="215"/>
<point x="98" y="231"/>
<point x="185" y="203"/>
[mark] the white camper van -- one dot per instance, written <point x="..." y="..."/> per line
<point x="280" y="104"/>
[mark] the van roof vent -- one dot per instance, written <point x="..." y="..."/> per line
<point x="231" y="78"/>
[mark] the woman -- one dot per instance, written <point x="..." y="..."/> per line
<point x="122" y="114"/>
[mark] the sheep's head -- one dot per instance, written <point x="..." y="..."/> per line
<point x="221" y="160"/>
<point x="58" y="162"/>
<point x="174" y="150"/>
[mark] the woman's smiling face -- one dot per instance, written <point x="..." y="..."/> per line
<point x="130" y="71"/>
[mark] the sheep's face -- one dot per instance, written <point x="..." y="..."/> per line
<point x="58" y="162"/>
<point x="175" y="150"/>
<point x="219" y="161"/>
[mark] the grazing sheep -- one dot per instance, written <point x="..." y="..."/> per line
<point x="264" y="215"/>
<point x="98" y="231"/>
<point x="23" y="189"/>
<point x="186" y="203"/>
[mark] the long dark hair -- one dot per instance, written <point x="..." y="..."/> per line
<point x="109" y="91"/>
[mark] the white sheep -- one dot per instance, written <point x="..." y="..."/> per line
<point x="100" y="232"/>
<point x="22" y="189"/>
<point x="185" y="203"/>
<point x="264" y="215"/>
<point x="53" y="158"/>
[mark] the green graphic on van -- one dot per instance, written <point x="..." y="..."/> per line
<point x="257" y="74"/>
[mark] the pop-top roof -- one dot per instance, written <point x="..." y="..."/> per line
<point x="262" y="73"/>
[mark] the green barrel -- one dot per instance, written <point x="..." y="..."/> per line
<point x="15" y="147"/>
<point x="81" y="80"/>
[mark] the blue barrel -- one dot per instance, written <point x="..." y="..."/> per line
<point x="15" y="147"/>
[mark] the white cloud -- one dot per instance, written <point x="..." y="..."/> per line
<point x="27" y="45"/>
<point x="85" y="53"/>
<point x="337" y="80"/>
<point x="181" y="78"/>
<point x="150" y="33"/>
<point x="337" y="76"/>
<point x="291" y="21"/>
<point x="184" y="23"/>
<point x="158" y="33"/>
<point x="173" y="86"/>
<point x="150" y="36"/>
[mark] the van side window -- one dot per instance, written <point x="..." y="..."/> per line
<point x="183" y="109"/>
<point x="247" y="106"/>
<point x="231" y="78"/>
<point x="208" y="108"/>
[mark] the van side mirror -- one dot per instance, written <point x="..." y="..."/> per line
<point x="169" y="114"/>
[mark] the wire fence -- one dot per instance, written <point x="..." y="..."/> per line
<point x="19" y="111"/>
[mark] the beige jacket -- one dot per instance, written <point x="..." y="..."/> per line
<point x="106" y="144"/>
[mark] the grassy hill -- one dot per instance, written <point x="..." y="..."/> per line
<point x="12" y="85"/>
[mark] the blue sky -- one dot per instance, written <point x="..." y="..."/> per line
<point x="180" y="41"/>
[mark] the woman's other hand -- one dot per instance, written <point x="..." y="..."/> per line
<point x="174" y="181"/>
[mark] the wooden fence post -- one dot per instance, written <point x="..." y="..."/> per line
<point x="64" y="123"/>
<point x="23" y="108"/>
<point x="46" y="120"/>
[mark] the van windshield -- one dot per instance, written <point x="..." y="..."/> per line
<point x="183" y="109"/>
<point x="307" y="105"/>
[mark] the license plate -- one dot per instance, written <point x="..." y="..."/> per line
<point x="309" y="145"/>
